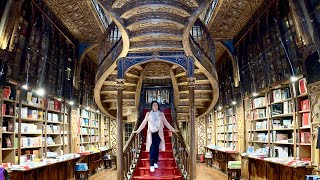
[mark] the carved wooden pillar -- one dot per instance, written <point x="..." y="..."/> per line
<point x="191" y="82"/>
<point x="120" y="160"/>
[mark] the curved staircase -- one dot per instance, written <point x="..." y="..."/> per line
<point x="168" y="169"/>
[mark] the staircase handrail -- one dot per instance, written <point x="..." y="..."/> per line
<point x="181" y="149"/>
<point x="131" y="151"/>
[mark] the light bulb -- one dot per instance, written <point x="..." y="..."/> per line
<point x="25" y="86"/>
<point x="293" y="79"/>
<point x="40" y="92"/>
<point x="71" y="103"/>
<point x="220" y="107"/>
<point x="234" y="102"/>
<point x="255" y="94"/>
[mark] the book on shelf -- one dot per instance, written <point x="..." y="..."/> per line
<point x="31" y="141"/>
<point x="281" y="152"/>
<point x="259" y="113"/>
<point x="276" y="109"/>
<point x="304" y="105"/>
<point x="262" y="137"/>
<point x="287" y="123"/>
<point x="9" y="126"/>
<point x="276" y="123"/>
<point x="305" y="137"/>
<point x="261" y="125"/>
<point x="303" y="86"/>
<point x="53" y="117"/>
<point x="27" y="128"/>
<point x="281" y="94"/>
<point x="258" y="102"/>
<point x="306" y="119"/>
<point x="287" y="107"/>
<point x="7" y="142"/>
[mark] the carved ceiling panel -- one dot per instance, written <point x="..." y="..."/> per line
<point x="155" y="8"/>
<point x="157" y="70"/>
<point x="121" y="3"/>
<point x="79" y="17"/>
<point x="155" y="23"/>
<point x="231" y="17"/>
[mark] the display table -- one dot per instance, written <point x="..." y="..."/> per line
<point x="62" y="169"/>
<point x="221" y="157"/>
<point x="94" y="160"/>
<point x="57" y="170"/>
<point x="260" y="168"/>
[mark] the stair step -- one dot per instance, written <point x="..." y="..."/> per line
<point x="168" y="146"/>
<point x="167" y="171"/>
<point x="175" y="177"/>
<point x="162" y="154"/>
<point x="163" y="162"/>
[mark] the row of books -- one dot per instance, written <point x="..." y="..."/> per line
<point x="50" y="141"/>
<point x="281" y="94"/>
<point x="304" y="105"/>
<point x="53" y="117"/>
<point x="53" y="129"/>
<point x="281" y="108"/>
<point x="220" y="115"/>
<point x="8" y="109"/>
<point x="28" y="128"/>
<point x="232" y="137"/>
<point x="94" y="124"/>
<point x="232" y="119"/>
<point x="259" y="113"/>
<point x="261" y="125"/>
<point x="282" y="123"/>
<point x="30" y="113"/>
<point x="85" y="122"/>
<point x="258" y="102"/>
<point x="31" y="141"/>
<point x="94" y="138"/>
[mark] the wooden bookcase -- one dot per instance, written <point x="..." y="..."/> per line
<point x="88" y="128"/>
<point x="277" y="121"/>
<point x="221" y="128"/>
<point x="209" y="126"/>
<point x="32" y="126"/>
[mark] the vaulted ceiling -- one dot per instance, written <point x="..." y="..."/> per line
<point x="80" y="17"/>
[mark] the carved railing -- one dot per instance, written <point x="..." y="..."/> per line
<point x="180" y="149"/>
<point x="110" y="48"/>
<point x="202" y="45"/>
<point x="131" y="152"/>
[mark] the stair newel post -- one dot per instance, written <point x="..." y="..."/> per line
<point x="120" y="86"/>
<point x="191" y="84"/>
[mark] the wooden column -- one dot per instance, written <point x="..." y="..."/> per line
<point x="191" y="83"/>
<point x="120" y="160"/>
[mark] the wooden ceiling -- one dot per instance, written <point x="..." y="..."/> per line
<point x="230" y="17"/>
<point x="80" y="17"/>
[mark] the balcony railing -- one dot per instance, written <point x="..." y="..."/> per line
<point x="110" y="48"/>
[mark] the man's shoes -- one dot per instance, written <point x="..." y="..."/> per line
<point x="151" y="168"/>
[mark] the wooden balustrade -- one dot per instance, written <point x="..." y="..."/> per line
<point x="181" y="150"/>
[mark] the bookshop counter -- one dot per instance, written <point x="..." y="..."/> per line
<point x="63" y="170"/>
<point x="257" y="169"/>
<point x="221" y="157"/>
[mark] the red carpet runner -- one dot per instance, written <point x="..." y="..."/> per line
<point x="168" y="169"/>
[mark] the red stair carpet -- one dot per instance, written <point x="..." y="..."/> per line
<point x="168" y="169"/>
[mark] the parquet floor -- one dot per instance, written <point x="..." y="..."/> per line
<point x="203" y="173"/>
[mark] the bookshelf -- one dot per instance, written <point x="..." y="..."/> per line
<point x="88" y="128"/>
<point x="221" y="128"/>
<point x="232" y="128"/>
<point x="227" y="128"/>
<point x="32" y="126"/>
<point x="277" y="122"/>
<point x="209" y="125"/>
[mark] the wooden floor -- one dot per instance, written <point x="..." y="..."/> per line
<point x="203" y="173"/>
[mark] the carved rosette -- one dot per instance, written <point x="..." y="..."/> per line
<point x="191" y="81"/>
<point x="120" y="83"/>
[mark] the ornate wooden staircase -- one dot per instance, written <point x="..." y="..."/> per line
<point x="145" y="32"/>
